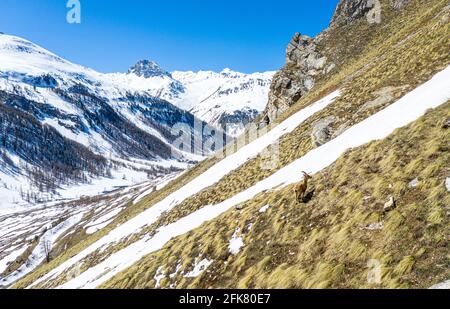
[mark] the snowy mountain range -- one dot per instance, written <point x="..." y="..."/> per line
<point x="87" y="125"/>
<point x="228" y="100"/>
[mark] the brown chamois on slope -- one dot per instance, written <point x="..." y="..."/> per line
<point x="301" y="187"/>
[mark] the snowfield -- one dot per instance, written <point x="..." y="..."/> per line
<point x="406" y="110"/>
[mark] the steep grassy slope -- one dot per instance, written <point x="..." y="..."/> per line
<point x="328" y="241"/>
<point x="410" y="46"/>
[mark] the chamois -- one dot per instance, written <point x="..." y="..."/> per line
<point x="301" y="187"/>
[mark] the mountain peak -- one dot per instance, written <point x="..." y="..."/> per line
<point x="227" y="72"/>
<point x="147" y="69"/>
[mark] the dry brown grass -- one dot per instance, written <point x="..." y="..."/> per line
<point x="326" y="243"/>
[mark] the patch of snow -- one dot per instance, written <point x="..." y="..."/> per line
<point x="236" y="242"/>
<point x="159" y="276"/>
<point x="264" y="209"/>
<point x="199" y="268"/>
<point x="375" y="226"/>
<point x="414" y="183"/>
<point x="447" y="184"/>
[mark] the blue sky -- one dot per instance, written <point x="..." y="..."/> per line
<point x="245" y="35"/>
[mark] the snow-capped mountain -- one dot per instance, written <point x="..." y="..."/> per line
<point x="147" y="76"/>
<point x="64" y="124"/>
<point x="229" y="100"/>
<point x="147" y="69"/>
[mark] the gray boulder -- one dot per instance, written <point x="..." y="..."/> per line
<point x="321" y="132"/>
<point x="414" y="183"/>
<point x="446" y="124"/>
<point x="390" y="205"/>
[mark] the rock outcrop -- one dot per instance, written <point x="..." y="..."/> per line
<point x="348" y="11"/>
<point x="304" y="63"/>
<point x="321" y="132"/>
<point x="306" y="59"/>
<point x="147" y="69"/>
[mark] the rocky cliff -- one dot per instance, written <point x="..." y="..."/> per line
<point x="308" y="60"/>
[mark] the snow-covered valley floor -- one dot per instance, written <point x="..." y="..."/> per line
<point x="41" y="227"/>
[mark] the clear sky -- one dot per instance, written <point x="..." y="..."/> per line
<point x="244" y="35"/>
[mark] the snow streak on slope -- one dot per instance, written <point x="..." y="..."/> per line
<point x="406" y="110"/>
<point x="43" y="248"/>
<point x="20" y="230"/>
<point x="210" y="177"/>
